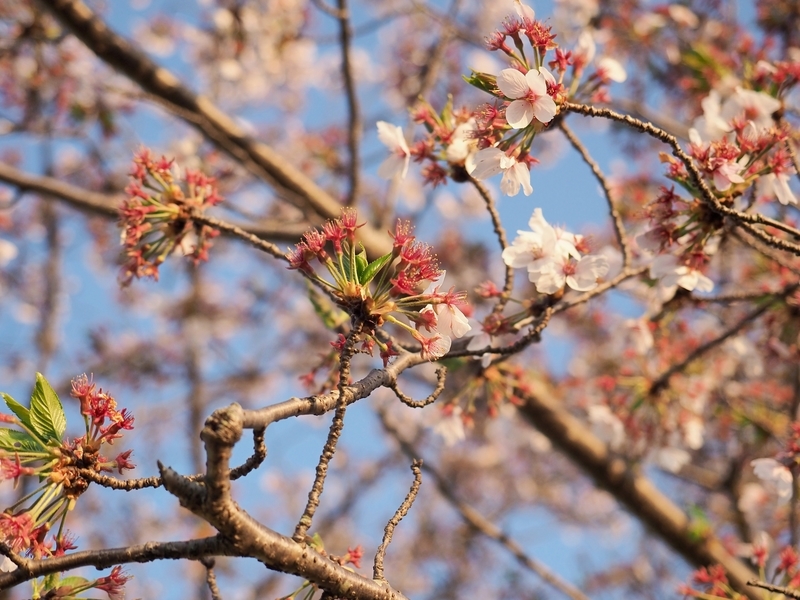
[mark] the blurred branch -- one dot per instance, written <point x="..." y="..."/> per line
<point x="107" y="205"/>
<point x="480" y="523"/>
<point x="262" y="160"/>
<point x="353" y="110"/>
<point x="634" y="491"/>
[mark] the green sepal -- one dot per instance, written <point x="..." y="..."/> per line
<point x="483" y="81"/>
<point x="22" y="413"/>
<point x="12" y="440"/>
<point x="368" y="274"/>
<point x="47" y="414"/>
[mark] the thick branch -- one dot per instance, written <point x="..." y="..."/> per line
<point x="102" y="559"/>
<point x="200" y="112"/>
<point x="635" y="492"/>
<point x="214" y="504"/>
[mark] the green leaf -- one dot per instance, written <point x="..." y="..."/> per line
<point x="361" y="265"/>
<point x="47" y="414"/>
<point x="73" y="581"/>
<point x="22" y="413"/>
<point x="372" y="269"/>
<point x="12" y="440"/>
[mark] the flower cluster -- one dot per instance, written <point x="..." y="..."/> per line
<point x="159" y="213"/>
<point x="554" y="258"/>
<point x="527" y="95"/>
<point x="496" y="138"/>
<point x="688" y="226"/>
<point x="404" y="283"/>
<point x="39" y="449"/>
<point x="736" y="143"/>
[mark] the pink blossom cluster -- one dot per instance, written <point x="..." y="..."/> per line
<point x="157" y="216"/>
<point x="407" y="283"/>
<point x="554" y="258"/>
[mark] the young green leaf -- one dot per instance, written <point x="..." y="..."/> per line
<point x="12" y="440"/>
<point x="22" y="413"/>
<point x="47" y="414"/>
<point x="372" y="269"/>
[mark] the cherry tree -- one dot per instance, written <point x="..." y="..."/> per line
<point x="510" y="293"/>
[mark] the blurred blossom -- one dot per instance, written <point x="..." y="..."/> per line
<point x="606" y="426"/>
<point x="775" y="475"/>
<point x="451" y="427"/>
<point x="8" y="252"/>
<point x="672" y="459"/>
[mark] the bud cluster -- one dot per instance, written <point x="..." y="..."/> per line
<point x="158" y="215"/>
<point x="391" y="288"/>
<point x="38" y="448"/>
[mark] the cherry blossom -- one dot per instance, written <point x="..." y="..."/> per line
<point x="776" y="475"/>
<point x="551" y="258"/>
<point x="776" y="185"/>
<point x="529" y="94"/>
<point x="671" y="272"/>
<point x="581" y="275"/>
<point x="397" y="162"/>
<point x="491" y="161"/>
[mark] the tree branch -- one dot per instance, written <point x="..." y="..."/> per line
<point x="200" y="112"/>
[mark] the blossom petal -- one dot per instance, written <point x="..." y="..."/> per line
<point x="512" y="83"/>
<point x="519" y="114"/>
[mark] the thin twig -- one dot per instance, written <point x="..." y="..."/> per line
<point x="662" y="380"/>
<point x="102" y="559"/>
<point x="255" y="460"/>
<point x="329" y="449"/>
<point x="402" y="511"/>
<point x="500" y="232"/>
<point x="480" y="523"/>
<point x="789" y="592"/>
<point x="616" y="218"/>
<point x="441" y="377"/>
<point x="211" y="577"/>
<point x="354" y="126"/>
<point x="255" y="241"/>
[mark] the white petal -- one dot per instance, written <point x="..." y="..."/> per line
<point x="519" y="114"/>
<point x="545" y="109"/>
<point x="487" y="163"/>
<point x="392" y="136"/>
<point x="512" y="83"/>
<point x="536" y="82"/>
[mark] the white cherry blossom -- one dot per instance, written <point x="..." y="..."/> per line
<point x="667" y="268"/>
<point x="397" y="162"/>
<point x="776" y="185"/>
<point x="611" y="69"/>
<point x="491" y="161"/>
<point x="529" y="95"/>
<point x="775" y="475"/>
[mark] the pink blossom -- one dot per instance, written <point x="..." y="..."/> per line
<point x="671" y="272"/>
<point x="529" y="94"/>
